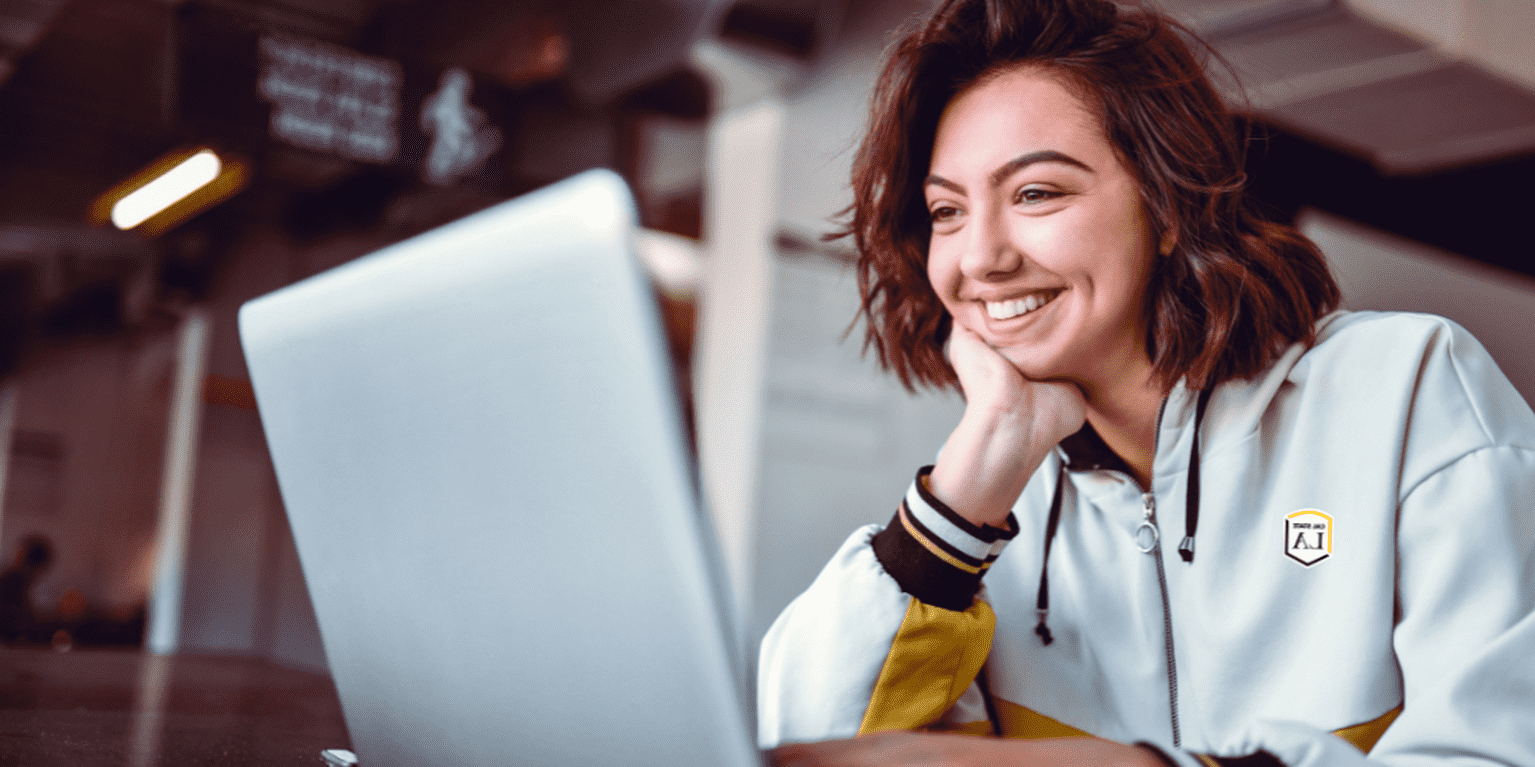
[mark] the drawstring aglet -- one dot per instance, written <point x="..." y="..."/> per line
<point x="1186" y="548"/>
<point x="1043" y="630"/>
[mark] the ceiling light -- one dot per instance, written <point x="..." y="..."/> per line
<point x="192" y="174"/>
<point x="170" y="190"/>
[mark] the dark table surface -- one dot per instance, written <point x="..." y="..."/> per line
<point x="93" y="708"/>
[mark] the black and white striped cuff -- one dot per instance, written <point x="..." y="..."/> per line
<point x="935" y="554"/>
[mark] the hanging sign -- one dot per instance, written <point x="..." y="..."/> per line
<point x="330" y="99"/>
<point x="245" y="82"/>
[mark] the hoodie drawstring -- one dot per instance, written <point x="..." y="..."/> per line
<point x="1042" y="604"/>
<point x="1191" y="507"/>
<point x="1190" y="522"/>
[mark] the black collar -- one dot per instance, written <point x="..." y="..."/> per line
<point x="1086" y="451"/>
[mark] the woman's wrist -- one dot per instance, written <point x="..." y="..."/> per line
<point x="984" y="466"/>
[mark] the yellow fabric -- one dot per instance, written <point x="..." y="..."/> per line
<point x="1020" y="722"/>
<point x="968" y="728"/>
<point x="934" y="658"/>
<point x="1026" y="723"/>
<point x="1364" y="736"/>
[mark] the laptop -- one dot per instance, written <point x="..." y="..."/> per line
<point x="479" y="448"/>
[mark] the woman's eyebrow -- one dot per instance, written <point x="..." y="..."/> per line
<point x="1010" y="167"/>
<point x="1024" y="160"/>
<point x="935" y="180"/>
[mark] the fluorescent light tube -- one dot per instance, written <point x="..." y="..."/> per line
<point x="191" y="174"/>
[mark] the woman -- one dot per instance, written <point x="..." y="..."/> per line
<point x="1190" y="511"/>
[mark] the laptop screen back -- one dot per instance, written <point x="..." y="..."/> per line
<point x="478" y="445"/>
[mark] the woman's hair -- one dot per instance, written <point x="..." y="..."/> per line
<point x="1235" y="290"/>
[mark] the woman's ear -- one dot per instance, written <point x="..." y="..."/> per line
<point x="1169" y="239"/>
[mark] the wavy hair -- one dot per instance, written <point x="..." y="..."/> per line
<point x="1235" y="290"/>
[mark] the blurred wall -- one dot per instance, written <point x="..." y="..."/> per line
<point x="1379" y="270"/>
<point x="743" y="141"/>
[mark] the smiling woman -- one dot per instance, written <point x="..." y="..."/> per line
<point x="1049" y="214"/>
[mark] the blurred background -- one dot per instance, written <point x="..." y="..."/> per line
<point x="138" y="498"/>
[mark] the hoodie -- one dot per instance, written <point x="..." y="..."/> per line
<point x="1358" y="589"/>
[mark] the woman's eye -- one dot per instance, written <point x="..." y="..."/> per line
<point x="941" y="213"/>
<point x="1034" y="194"/>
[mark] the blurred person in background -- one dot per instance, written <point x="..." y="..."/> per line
<point x="1192" y="513"/>
<point x="19" y="621"/>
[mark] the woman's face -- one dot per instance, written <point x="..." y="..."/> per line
<point x="1041" y="243"/>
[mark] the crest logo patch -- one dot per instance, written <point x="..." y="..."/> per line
<point x="1308" y="536"/>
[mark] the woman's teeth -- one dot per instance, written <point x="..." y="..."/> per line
<point x="1002" y="310"/>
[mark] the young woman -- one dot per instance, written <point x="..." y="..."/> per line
<point x="1191" y="515"/>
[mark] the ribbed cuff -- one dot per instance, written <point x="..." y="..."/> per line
<point x="935" y="554"/>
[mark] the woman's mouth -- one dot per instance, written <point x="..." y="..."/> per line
<point x="1006" y="310"/>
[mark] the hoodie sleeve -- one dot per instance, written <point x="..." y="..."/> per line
<point x="891" y="634"/>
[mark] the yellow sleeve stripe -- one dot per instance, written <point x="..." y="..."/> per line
<point x="1364" y="736"/>
<point x="934" y="658"/>
<point x="1020" y="722"/>
<point x="933" y="547"/>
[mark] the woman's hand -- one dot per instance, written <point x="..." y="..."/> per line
<point x="910" y="749"/>
<point x="1010" y="424"/>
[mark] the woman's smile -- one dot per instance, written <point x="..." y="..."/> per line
<point x="1004" y="310"/>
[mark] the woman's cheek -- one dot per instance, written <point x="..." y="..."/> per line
<point x="941" y="278"/>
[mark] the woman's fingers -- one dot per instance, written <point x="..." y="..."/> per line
<point x="993" y="385"/>
<point x="984" y="374"/>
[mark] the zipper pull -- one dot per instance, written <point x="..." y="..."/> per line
<point x="1146" y="535"/>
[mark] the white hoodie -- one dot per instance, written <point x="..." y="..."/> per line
<point x="1364" y="565"/>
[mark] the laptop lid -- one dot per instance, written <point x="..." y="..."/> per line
<point x="480" y="452"/>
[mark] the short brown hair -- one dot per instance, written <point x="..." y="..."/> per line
<point x="1236" y="289"/>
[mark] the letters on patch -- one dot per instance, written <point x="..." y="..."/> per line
<point x="1308" y="536"/>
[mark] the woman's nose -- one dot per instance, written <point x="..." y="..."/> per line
<point x="990" y="252"/>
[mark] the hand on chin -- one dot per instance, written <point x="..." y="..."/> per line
<point x="993" y="381"/>
<point x="1010" y="424"/>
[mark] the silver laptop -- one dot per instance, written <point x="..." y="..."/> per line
<point x="480" y="452"/>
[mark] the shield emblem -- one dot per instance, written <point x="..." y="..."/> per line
<point x="1308" y="536"/>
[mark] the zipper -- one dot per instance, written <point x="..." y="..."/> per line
<point x="1147" y="539"/>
